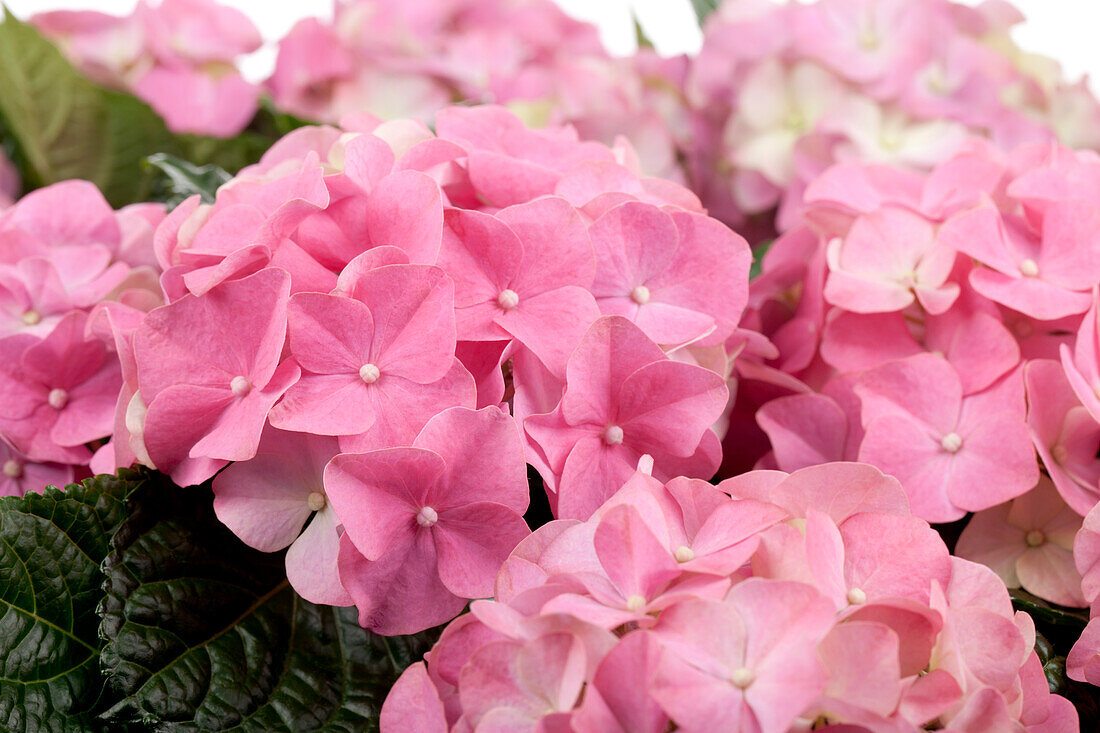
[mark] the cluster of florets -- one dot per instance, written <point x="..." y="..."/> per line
<point x="771" y="602"/>
<point x="396" y="58"/>
<point x="944" y="328"/>
<point x="67" y="261"/>
<point x="785" y="90"/>
<point x="178" y="56"/>
<point x="433" y="307"/>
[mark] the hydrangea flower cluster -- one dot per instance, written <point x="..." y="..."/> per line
<point x="339" y="326"/>
<point x="396" y="58"/>
<point x="943" y="328"/>
<point x="178" y="56"/>
<point x="68" y="265"/>
<point x="737" y="607"/>
<point x="784" y="90"/>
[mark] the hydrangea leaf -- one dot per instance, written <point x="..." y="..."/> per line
<point x="61" y="125"/>
<point x="182" y="179"/>
<point x="704" y="8"/>
<point x="51" y="547"/>
<point x="204" y="634"/>
<point x="64" y="126"/>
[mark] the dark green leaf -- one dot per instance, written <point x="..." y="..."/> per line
<point x="183" y="179"/>
<point x="1055" y="620"/>
<point x="704" y="8"/>
<point x="51" y="547"/>
<point x="203" y="633"/>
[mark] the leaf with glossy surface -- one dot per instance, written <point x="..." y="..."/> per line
<point x="51" y="547"/>
<point x="183" y="179"/>
<point x="204" y="633"/>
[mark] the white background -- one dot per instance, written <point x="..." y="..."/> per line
<point x="1064" y="29"/>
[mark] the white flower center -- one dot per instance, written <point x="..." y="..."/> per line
<point x="1029" y="268"/>
<point x="32" y="318"/>
<point x="684" y="554"/>
<point x="427" y="517"/>
<point x="635" y="603"/>
<point x="613" y="435"/>
<point x="1035" y="538"/>
<point x="57" y="398"/>
<point x="240" y="386"/>
<point x="13" y="468"/>
<point x="508" y="299"/>
<point x="951" y="442"/>
<point x="857" y="597"/>
<point x="742" y="677"/>
<point x="316" y="501"/>
<point x="640" y="295"/>
<point x="369" y="373"/>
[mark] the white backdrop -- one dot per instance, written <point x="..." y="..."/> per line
<point x="1064" y="29"/>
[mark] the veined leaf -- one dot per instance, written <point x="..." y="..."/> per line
<point x="183" y="179"/>
<point x="51" y="547"/>
<point x="204" y="633"/>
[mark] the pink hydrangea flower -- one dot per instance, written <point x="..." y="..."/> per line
<point x="938" y="643"/>
<point x="522" y="274"/>
<point x="1045" y="275"/>
<point x="941" y="445"/>
<point x="426" y="527"/>
<point x="18" y="474"/>
<point x="267" y="500"/>
<point x="208" y="388"/>
<point x="624" y="398"/>
<point x="669" y="273"/>
<point x="1028" y="542"/>
<point x="743" y="659"/>
<point x="1065" y="434"/>
<point x="58" y="392"/>
<point x="889" y="259"/>
<point x="177" y="56"/>
<point x="378" y="361"/>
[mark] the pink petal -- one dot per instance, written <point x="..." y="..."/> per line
<point x="924" y="387"/>
<point x="557" y="251"/>
<point x="377" y="496"/>
<point x="405" y="210"/>
<point x="413" y="704"/>
<point x="670" y="404"/>
<point x="401" y="592"/>
<point x="401" y="408"/>
<point x="635" y="561"/>
<point x="312" y="562"/>
<point x="484" y="456"/>
<point x="329" y="334"/>
<point x="551" y="324"/>
<point x="611" y="350"/>
<point x="805" y="430"/>
<point x="472" y="542"/>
